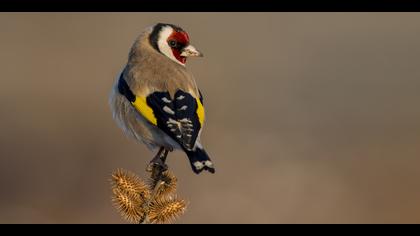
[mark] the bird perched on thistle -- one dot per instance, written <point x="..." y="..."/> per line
<point x="156" y="100"/>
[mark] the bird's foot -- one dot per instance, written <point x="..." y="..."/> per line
<point x="156" y="168"/>
<point x="157" y="164"/>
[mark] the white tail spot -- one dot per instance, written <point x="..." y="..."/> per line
<point x="208" y="164"/>
<point x="198" y="165"/>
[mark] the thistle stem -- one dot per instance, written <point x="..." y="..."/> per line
<point x="156" y="175"/>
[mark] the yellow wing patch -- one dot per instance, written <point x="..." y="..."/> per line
<point x="200" y="112"/>
<point x="147" y="112"/>
<point x="141" y="105"/>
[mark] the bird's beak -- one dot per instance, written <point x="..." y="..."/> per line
<point x="190" y="51"/>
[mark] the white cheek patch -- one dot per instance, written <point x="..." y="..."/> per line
<point x="163" y="44"/>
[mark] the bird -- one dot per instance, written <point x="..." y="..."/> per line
<point x="155" y="99"/>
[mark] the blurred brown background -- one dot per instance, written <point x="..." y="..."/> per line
<point x="311" y="117"/>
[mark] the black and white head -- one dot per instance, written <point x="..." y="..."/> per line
<point x="173" y="42"/>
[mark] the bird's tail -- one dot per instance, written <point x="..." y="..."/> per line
<point x="200" y="161"/>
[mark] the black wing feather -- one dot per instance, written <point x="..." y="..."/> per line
<point x="176" y="116"/>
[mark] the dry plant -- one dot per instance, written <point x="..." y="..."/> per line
<point x="153" y="201"/>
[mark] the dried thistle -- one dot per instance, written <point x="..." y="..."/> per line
<point x="129" y="206"/>
<point x="169" y="184"/>
<point x="146" y="203"/>
<point x="166" y="210"/>
<point x="130" y="183"/>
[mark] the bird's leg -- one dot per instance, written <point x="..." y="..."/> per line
<point x="156" y="160"/>
<point x="157" y="164"/>
<point x="164" y="155"/>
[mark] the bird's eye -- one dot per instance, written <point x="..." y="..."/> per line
<point x="172" y="43"/>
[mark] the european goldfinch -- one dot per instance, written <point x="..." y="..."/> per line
<point x="156" y="100"/>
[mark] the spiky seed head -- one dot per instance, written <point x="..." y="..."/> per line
<point x="169" y="184"/>
<point x="129" y="206"/>
<point x="166" y="210"/>
<point x="128" y="182"/>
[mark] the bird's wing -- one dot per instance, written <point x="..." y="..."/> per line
<point x="181" y="117"/>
